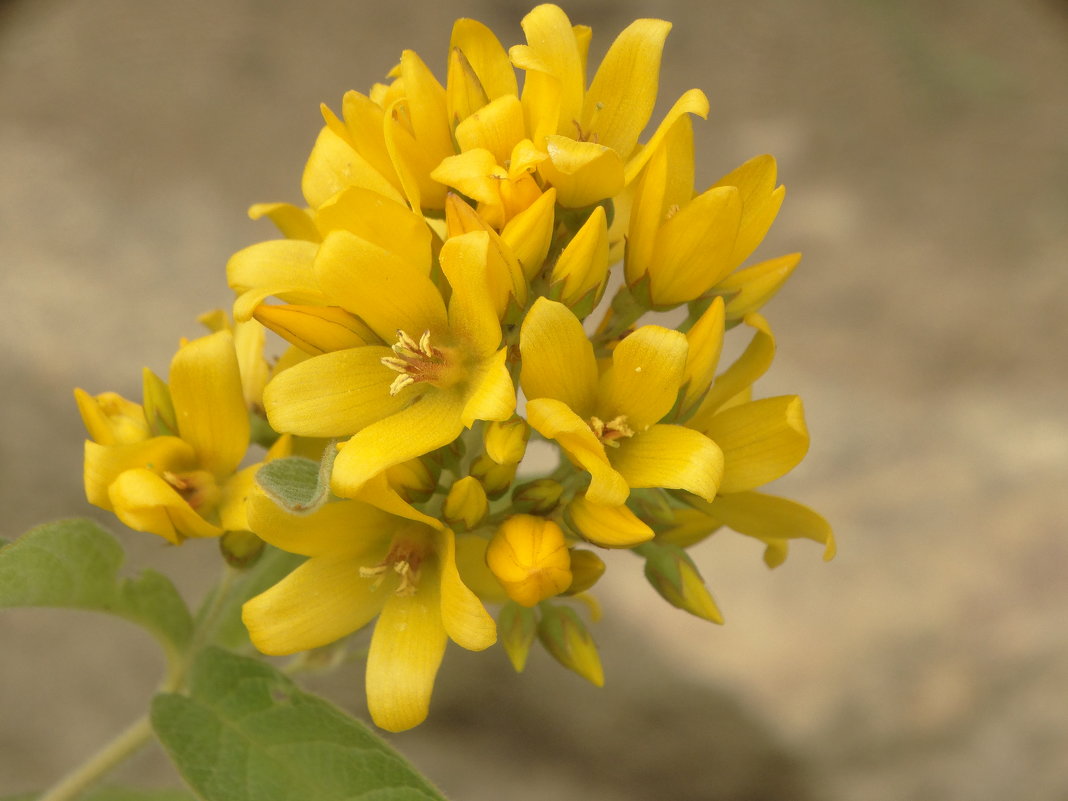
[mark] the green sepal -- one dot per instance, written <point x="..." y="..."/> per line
<point x="158" y="406"/>
<point x="516" y="627"/>
<point x="74" y="564"/>
<point x="245" y="732"/>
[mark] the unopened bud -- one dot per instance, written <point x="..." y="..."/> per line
<point x="495" y="478"/>
<point x="110" y="419"/>
<point x="529" y="557"/>
<point x="565" y="637"/>
<point x="507" y="442"/>
<point x="516" y="628"/>
<point x="537" y="497"/>
<point x="466" y="503"/>
<point x="240" y="549"/>
<point x="413" y="480"/>
<point x="674" y="575"/>
<point x="586" y="569"/>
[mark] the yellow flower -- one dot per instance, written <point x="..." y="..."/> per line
<point x="179" y="486"/>
<point x="364" y="563"/>
<point x="610" y="423"/>
<point x="445" y="370"/>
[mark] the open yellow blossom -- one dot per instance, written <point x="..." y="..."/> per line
<point x="445" y="370"/>
<point x="184" y="484"/>
<point x="610" y="423"/>
<point x="364" y="563"/>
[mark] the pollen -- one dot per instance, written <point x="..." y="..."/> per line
<point x="416" y="361"/>
<point x="405" y="561"/>
<point x="611" y="432"/>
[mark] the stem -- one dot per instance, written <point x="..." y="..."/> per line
<point x="119" y="749"/>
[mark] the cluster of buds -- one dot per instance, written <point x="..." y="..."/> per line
<point x="442" y="291"/>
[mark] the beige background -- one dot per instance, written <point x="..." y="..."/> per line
<point x="925" y="149"/>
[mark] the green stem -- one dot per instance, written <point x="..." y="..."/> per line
<point x="122" y="747"/>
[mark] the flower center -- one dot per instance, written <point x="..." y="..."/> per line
<point x="611" y="432"/>
<point x="415" y="361"/>
<point x="197" y="488"/>
<point x="404" y="559"/>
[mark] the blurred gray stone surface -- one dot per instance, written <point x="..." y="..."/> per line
<point x="924" y="150"/>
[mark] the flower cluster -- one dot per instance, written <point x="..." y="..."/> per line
<point x="434" y="290"/>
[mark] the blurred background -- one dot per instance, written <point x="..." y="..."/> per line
<point x="925" y="151"/>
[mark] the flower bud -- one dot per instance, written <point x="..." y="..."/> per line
<point x="413" y="480"/>
<point x="674" y="575"/>
<point x="507" y="442"/>
<point x="240" y="549"/>
<point x="579" y="275"/>
<point x="110" y="419"/>
<point x="537" y="497"/>
<point x="529" y="557"/>
<point x="495" y="478"/>
<point x="466" y="503"/>
<point x="516" y="628"/>
<point x="586" y="569"/>
<point x="566" y="638"/>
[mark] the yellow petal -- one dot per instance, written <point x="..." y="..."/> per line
<point x="430" y="423"/>
<point x="673" y="457"/>
<point x="748" y="367"/>
<point x="529" y="233"/>
<point x="665" y="186"/>
<point x="320" y="602"/>
<point x="507" y="283"/>
<point x="110" y="419"/>
<point x="582" y="172"/>
<point x="209" y="402"/>
<point x="582" y="267"/>
<point x="385" y="291"/>
<point x="334" y="165"/>
<point x="316" y="329"/>
<point x="553" y="51"/>
<point x="473" y="173"/>
<point x="487" y="57"/>
<point x="761" y="441"/>
<point x="692" y="102"/>
<point x="426" y="107"/>
<point x="281" y="267"/>
<point x="104" y="463"/>
<point x="466" y="620"/>
<point x="464" y="93"/>
<point x="145" y="502"/>
<point x="558" y="360"/>
<point x="607" y="526"/>
<point x="749" y="289"/>
<point x="249" y="341"/>
<point x="491" y="395"/>
<point x="760" y="203"/>
<point x="340" y="528"/>
<point x="554" y="420"/>
<point x="380" y="221"/>
<point x="478" y="277"/>
<point x="406" y="652"/>
<point x="471" y="564"/>
<point x="333" y="395"/>
<point x="413" y="163"/>
<point x="364" y="124"/>
<point x="705" y="340"/>
<point x="768" y="517"/>
<point x="293" y="221"/>
<point x="233" y="499"/>
<point x="497" y="127"/>
<point x="623" y="92"/>
<point x="693" y="247"/>
<point x="643" y="382"/>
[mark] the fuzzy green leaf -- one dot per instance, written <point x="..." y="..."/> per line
<point x="247" y="733"/>
<point x="74" y="564"/>
<point x="298" y="485"/>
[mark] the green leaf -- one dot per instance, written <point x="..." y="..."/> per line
<point x="118" y="794"/>
<point x="247" y="733"/>
<point x="74" y="564"/>
<point x="298" y="485"/>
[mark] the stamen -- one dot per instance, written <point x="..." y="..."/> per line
<point x="415" y="361"/>
<point x="611" y="432"/>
